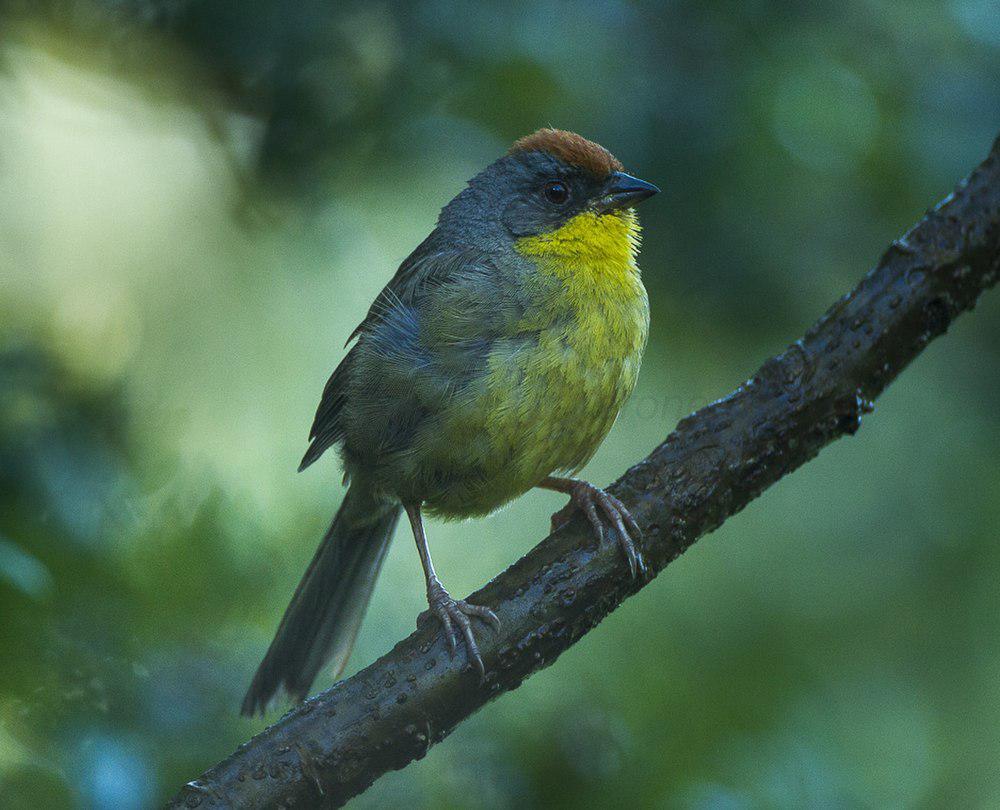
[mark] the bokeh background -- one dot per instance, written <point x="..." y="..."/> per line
<point x="198" y="201"/>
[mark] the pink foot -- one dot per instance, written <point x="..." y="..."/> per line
<point x="589" y="499"/>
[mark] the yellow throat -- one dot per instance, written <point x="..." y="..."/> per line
<point x="591" y="244"/>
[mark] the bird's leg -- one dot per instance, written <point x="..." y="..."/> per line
<point x="449" y="611"/>
<point x="589" y="499"/>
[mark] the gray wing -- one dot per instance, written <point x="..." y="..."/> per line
<point x="454" y="299"/>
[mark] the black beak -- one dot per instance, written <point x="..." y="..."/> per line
<point x="623" y="191"/>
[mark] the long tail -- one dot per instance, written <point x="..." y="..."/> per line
<point x="323" y="618"/>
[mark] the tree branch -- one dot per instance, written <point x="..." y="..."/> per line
<point x="717" y="460"/>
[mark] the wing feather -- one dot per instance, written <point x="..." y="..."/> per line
<point x="423" y="271"/>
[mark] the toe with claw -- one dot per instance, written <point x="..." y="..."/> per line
<point x="599" y="506"/>
<point x="457" y="612"/>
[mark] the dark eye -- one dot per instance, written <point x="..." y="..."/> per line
<point x="556" y="192"/>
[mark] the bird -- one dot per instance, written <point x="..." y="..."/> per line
<point x="494" y="361"/>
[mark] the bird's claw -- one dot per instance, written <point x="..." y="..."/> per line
<point x="451" y="612"/>
<point x="589" y="499"/>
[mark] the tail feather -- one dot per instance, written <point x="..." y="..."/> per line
<point x="323" y="618"/>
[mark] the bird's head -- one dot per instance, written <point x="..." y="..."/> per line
<point x="556" y="195"/>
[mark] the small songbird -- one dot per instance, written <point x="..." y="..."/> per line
<point x="498" y="356"/>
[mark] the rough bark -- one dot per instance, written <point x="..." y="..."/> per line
<point x="717" y="460"/>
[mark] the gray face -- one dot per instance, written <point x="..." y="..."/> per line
<point x="542" y="193"/>
<point x="530" y="193"/>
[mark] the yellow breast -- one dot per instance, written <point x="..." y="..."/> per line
<point x="599" y="304"/>
<point x="566" y="390"/>
<point x="599" y="321"/>
<point x="554" y="388"/>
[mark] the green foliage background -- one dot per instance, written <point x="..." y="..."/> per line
<point x="198" y="200"/>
